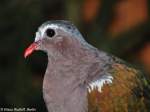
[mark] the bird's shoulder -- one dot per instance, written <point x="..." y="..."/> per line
<point x="122" y="89"/>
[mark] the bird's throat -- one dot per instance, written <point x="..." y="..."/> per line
<point x="64" y="99"/>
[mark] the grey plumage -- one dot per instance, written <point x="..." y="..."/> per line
<point x="74" y="67"/>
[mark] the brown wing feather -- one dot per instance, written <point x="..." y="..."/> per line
<point x="123" y="95"/>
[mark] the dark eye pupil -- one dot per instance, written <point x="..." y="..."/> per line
<point x="50" y="32"/>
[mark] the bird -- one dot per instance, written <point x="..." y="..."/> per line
<point x="81" y="78"/>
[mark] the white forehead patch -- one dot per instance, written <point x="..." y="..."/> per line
<point x="98" y="84"/>
<point x="37" y="37"/>
<point x="41" y="31"/>
<point x="67" y="27"/>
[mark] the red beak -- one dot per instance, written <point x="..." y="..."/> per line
<point x="30" y="49"/>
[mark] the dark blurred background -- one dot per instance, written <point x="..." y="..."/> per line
<point x="120" y="27"/>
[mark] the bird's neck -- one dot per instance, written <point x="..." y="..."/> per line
<point x="62" y="92"/>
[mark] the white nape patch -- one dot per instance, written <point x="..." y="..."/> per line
<point x="100" y="83"/>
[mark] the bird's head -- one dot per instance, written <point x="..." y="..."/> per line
<point x="56" y="37"/>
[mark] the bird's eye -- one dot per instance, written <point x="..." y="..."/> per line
<point x="50" y="32"/>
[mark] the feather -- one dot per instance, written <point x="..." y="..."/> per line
<point x="107" y="79"/>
